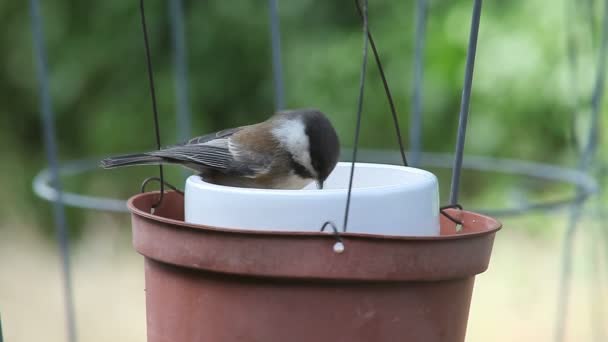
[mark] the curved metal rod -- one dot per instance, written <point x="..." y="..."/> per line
<point x="42" y="182"/>
<point x="547" y="172"/>
<point x="42" y="188"/>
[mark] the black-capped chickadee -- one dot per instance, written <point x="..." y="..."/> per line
<point x="287" y="151"/>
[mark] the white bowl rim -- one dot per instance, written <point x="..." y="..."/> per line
<point x="198" y="183"/>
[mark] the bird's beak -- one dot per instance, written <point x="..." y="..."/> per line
<point x="320" y="184"/>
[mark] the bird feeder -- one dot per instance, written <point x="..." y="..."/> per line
<point x="227" y="264"/>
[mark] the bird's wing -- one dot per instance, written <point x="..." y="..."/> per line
<point x="218" y="151"/>
<point x="213" y="136"/>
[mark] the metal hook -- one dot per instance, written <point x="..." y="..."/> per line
<point x="339" y="245"/>
<point x="149" y="179"/>
<point x="162" y="193"/>
<point x="451" y="218"/>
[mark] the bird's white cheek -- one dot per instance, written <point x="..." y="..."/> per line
<point x="292" y="136"/>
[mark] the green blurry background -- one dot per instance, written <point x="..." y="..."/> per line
<point x="525" y="95"/>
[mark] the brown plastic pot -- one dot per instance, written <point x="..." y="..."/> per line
<point x="223" y="285"/>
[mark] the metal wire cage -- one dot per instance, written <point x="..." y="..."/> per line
<point x="47" y="184"/>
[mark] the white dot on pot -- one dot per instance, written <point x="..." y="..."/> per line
<point x="338" y="247"/>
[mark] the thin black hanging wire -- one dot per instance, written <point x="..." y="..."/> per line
<point x="180" y="62"/>
<point x="359" y="112"/>
<point x="277" y="66"/>
<point x="416" y="117"/>
<point x="153" y="96"/>
<point x="419" y="47"/>
<point x="46" y="111"/>
<point x="464" y="105"/>
<point x="584" y="165"/>
<point x="387" y="90"/>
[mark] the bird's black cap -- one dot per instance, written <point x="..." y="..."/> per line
<point x="324" y="144"/>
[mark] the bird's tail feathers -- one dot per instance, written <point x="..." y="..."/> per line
<point x="129" y="160"/>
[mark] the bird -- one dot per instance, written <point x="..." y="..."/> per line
<point x="289" y="150"/>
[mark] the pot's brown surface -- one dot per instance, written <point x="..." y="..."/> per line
<point x="225" y="285"/>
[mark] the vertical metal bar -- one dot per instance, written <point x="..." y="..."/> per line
<point x="180" y="61"/>
<point x="584" y="165"/>
<point x="599" y="307"/>
<point x="416" y="116"/>
<point x="598" y="90"/>
<point x="596" y="281"/>
<point x="50" y="145"/>
<point x="590" y="8"/>
<point x="464" y="105"/>
<point x="564" y="284"/>
<point x="277" y="66"/>
<point x="180" y="64"/>
<point x="571" y="52"/>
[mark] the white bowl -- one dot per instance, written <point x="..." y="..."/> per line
<point x="386" y="200"/>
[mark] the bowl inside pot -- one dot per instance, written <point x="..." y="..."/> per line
<point x="386" y="200"/>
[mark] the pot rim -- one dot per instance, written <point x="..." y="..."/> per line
<point x="494" y="227"/>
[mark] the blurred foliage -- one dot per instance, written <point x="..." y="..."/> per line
<point x="524" y="94"/>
